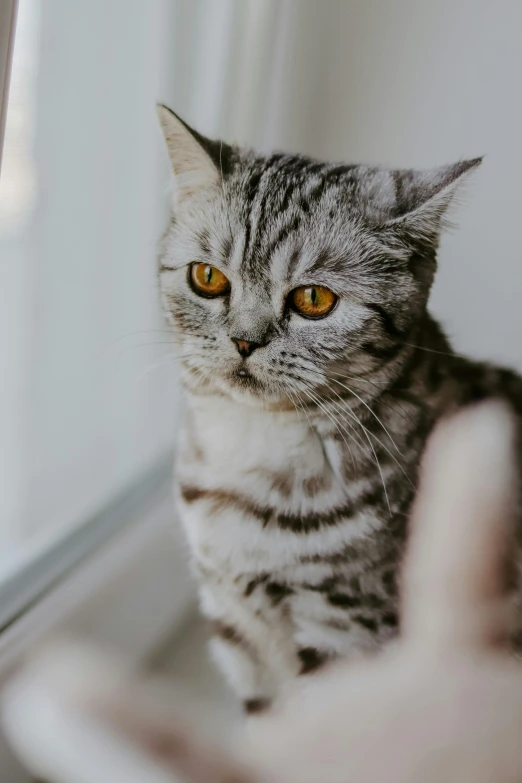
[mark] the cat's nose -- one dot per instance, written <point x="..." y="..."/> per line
<point x="245" y="347"/>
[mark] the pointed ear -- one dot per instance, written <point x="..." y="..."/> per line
<point x="417" y="211"/>
<point x="198" y="163"/>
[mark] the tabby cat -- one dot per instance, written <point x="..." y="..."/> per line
<point x="297" y="294"/>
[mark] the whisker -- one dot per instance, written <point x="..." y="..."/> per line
<point x="323" y="406"/>
<point x="141" y="331"/>
<point x="374" y="453"/>
<point x="342" y="405"/>
<point x="298" y="408"/>
<point x="369" y="409"/>
<point x="171" y="343"/>
<point x="123" y="351"/>
<point x="199" y="372"/>
<point x="396" y="407"/>
<point x="322" y="375"/>
<point x="112" y="344"/>
<point x="315" y="433"/>
<point x="330" y="416"/>
<point x="379" y="468"/>
<point x="432" y="350"/>
<point x="400" y="410"/>
<point x="175" y="335"/>
<point x="166" y="360"/>
<point x="373" y="435"/>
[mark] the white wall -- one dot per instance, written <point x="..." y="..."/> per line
<point x="95" y="417"/>
<point x="421" y="83"/>
<point x="84" y="413"/>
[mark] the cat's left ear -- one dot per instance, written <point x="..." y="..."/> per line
<point x="418" y="201"/>
<point x="198" y="163"/>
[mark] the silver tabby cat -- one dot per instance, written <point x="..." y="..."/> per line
<point x="297" y="293"/>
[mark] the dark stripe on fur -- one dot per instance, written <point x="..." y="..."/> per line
<point x="343" y="625"/>
<point x="228" y="633"/>
<point x="277" y="591"/>
<point x="389" y="581"/>
<point x="267" y="515"/>
<point x="311" y="659"/>
<point x="381" y="352"/>
<point x="344" y="601"/>
<point x="203" y="238"/>
<point x="253" y="583"/>
<point x="391" y="619"/>
<point x="328" y="585"/>
<point x="284" y="232"/>
<point x="367" y="622"/>
<point x="255" y="706"/>
<point x="387" y="322"/>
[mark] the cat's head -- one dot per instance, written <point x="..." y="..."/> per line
<point x="277" y="270"/>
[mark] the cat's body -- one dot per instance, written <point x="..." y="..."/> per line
<point x="297" y="553"/>
<point x="298" y="460"/>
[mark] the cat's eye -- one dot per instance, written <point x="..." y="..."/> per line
<point x="312" y="301"/>
<point x="206" y="280"/>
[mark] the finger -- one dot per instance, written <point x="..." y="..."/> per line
<point x="462" y="530"/>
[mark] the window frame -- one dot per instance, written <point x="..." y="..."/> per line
<point x="39" y="575"/>
<point x="8" y="15"/>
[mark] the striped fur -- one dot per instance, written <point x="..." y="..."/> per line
<point x="294" y="479"/>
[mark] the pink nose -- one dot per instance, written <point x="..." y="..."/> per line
<point x="244" y="347"/>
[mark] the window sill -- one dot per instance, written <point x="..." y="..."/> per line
<point x="121" y="579"/>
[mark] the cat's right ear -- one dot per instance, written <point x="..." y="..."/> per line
<point x="195" y="160"/>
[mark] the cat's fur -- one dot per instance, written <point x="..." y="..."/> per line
<point x="294" y="483"/>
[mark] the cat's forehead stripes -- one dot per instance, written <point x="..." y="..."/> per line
<point x="296" y="220"/>
<point x="274" y="199"/>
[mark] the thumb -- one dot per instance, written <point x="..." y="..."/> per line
<point x="458" y="566"/>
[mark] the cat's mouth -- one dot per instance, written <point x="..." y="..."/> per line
<point x="243" y="376"/>
<point x="242" y="379"/>
<point x="245" y="387"/>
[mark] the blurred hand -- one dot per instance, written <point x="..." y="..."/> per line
<point x="443" y="704"/>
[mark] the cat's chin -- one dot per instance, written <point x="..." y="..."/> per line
<point x="252" y="391"/>
<point x="248" y="389"/>
<point x="243" y="388"/>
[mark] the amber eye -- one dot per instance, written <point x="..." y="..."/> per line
<point x="312" y="301"/>
<point x="206" y="280"/>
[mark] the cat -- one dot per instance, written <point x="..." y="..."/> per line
<point x="297" y="294"/>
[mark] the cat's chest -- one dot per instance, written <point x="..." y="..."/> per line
<point x="235" y="446"/>
<point x="257" y="490"/>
